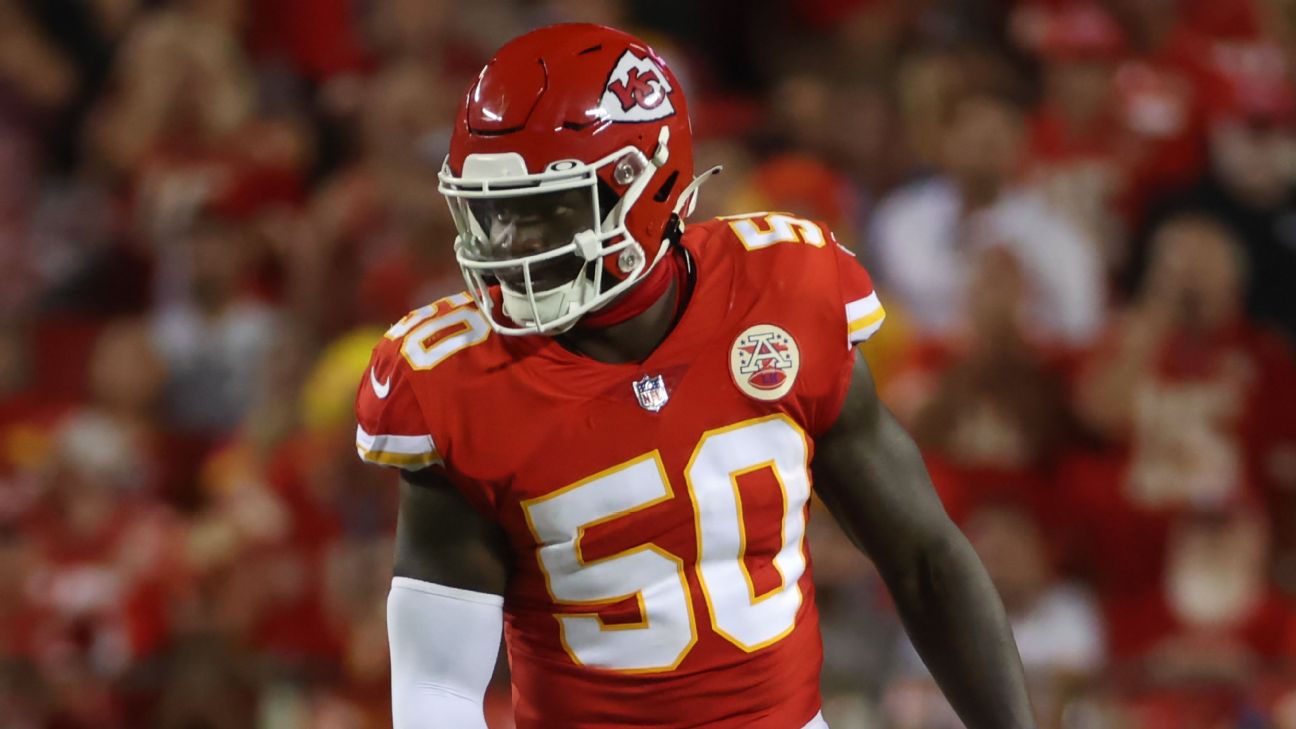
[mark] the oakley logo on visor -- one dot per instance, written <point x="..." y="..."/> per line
<point x="637" y="91"/>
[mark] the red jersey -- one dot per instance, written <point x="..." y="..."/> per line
<point x="656" y="510"/>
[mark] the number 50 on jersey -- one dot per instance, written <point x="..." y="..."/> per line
<point x="658" y="580"/>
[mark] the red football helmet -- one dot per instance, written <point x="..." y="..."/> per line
<point x="570" y="159"/>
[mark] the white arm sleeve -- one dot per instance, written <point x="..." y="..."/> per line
<point x="444" y="642"/>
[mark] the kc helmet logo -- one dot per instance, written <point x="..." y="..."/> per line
<point x="637" y="91"/>
<point x="764" y="361"/>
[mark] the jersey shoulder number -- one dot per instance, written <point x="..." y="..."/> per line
<point x="762" y="230"/>
<point x="391" y="425"/>
<point x="844" y="280"/>
<point x="429" y="335"/>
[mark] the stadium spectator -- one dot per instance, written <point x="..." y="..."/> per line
<point x="1193" y="400"/>
<point x="118" y="434"/>
<point x="1251" y="187"/>
<point x="995" y="403"/>
<point x="180" y="83"/>
<point x="381" y="214"/>
<point x="988" y="409"/>
<point x="1216" y="616"/>
<point x="214" y="336"/>
<point x="1199" y="640"/>
<point x="1164" y="93"/>
<point x="1079" y="153"/>
<point x="925" y="234"/>
<point x="1186" y="379"/>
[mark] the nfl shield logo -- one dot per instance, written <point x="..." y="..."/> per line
<point x="651" y="392"/>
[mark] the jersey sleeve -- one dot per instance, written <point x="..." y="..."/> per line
<point x="390" y="427"/>
<point x="851" y="311"/>
<point x="864" y="312"/>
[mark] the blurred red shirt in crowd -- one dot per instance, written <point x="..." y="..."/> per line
<point x="1195" y="405"/>
<point x="1129" y="97"/>
<point x="988" y="405"/>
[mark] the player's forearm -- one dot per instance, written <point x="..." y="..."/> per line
<point x="957" y="622"/>
<point x="444" y="614"/>
<point x="444" y="644"/>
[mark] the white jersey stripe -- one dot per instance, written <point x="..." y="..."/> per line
<point x="403" y="444"/>
<point x="405" y="451"/>
<point x="863" y="318"/>
<point x="860" y="308"/>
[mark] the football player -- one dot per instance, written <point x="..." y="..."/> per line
<point x="608" y="441"/>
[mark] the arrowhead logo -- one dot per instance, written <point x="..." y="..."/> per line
<point x="381" y="389"/>
<point x="637" y="91"/>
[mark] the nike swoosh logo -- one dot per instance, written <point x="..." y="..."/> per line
<point x="381" y="389"/>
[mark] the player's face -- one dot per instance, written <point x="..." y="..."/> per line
<point x="513" y="227"/>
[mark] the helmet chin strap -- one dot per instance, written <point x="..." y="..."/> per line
<point x="684" y="206"/>
<point x="687" y="200"/>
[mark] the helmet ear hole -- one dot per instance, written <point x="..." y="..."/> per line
<point x="663" y="193"/>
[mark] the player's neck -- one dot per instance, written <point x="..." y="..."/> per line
<point x="633" y="339"/>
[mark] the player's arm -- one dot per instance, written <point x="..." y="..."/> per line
<point x="870" y="474"/>
<point x="444" y="612"/>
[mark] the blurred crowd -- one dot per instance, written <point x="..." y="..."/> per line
<point x="1080" y="214"/>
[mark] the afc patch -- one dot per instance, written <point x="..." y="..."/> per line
<point x="764" y="361"/>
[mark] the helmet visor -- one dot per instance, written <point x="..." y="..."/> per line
<point x="518" y="227"/>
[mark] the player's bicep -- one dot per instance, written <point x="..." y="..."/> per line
<point x="442" y="539"/>
<point x="871" y="476"/>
